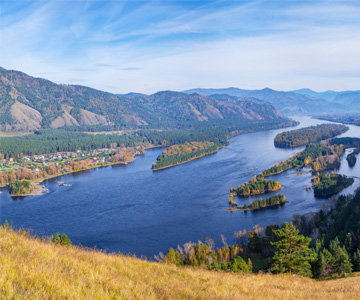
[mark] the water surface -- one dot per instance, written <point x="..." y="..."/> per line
<point x="134" y="210"/>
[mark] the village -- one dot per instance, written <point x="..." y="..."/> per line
<point x="40" y="167"/>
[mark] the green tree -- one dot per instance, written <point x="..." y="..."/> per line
<point x="173" y="257"/>
<point x="356" y="260"/>
<point x="293" y="254"/>
<point x="61" y="239"/>
<point x="342" y="261"/>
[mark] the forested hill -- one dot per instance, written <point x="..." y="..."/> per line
<point x="286" y="102"/>
<point x="28" y="103"/>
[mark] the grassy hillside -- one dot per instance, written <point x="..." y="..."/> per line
<point x="31" y="269"/>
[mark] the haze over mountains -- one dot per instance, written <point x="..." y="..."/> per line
<point x="28" y="103"/>
<point x="304" y="101"/>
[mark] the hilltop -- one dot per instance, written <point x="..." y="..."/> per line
<point x="28" y="103"/>
<point x="34" y="269"/>
<point x="287" y="102"/>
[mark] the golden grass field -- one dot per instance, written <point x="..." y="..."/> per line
<point x="34" y="269"/>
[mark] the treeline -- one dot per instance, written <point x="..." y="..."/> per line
<point x="326" y="185"/>
<point x="303" y="136"/>
<point x="263" y="203"/>
<point x="257" y="185"/>
<point x="53" y="140"/>
<point x="20" y="187"/>
<point x="303" y="158"/>
<point x="351" y="159"/>
<point x="352" y="118"/>
<point x="68" y="139"/>
<point x="177" y="154"/>
<point x="324" y="244"/>
<point x="120" y="155"/>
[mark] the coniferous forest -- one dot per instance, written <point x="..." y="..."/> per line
<point x="303" y="136"/>
<point x="325" y="244"/>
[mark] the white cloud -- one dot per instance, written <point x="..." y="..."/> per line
<point x="315" y="46"/>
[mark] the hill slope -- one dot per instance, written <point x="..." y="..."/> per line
<point x="28" y="103"/>
<point x="350" y="99"/>
<point x="31" y="269"/>
<point x="286" y="102"/>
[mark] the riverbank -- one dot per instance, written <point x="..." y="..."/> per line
<point x="37" y="190"/>
<point x="184" y="162"/>
<point x="247" y="209"/>
<point x="40" y="180"/>
<point x="137" y="201"/>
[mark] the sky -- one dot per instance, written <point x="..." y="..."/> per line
<point x="148" y="46"/>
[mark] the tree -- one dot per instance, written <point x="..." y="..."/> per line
<point x="173" y="257"/>
<point x="342" y="261"/>
<point x="61" y="239"/>
<point x="356" y="260"/>
<point x="293" y="254"/>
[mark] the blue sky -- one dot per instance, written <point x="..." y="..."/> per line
<point x="147" y="46"/>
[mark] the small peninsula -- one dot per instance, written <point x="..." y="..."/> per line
<point x="326" y="185"/>
<point x="303" y="136"/>
<point x="26" y="188"/>
<point x="182" y="153"/>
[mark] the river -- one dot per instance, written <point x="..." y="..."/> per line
<point x="132" y="210"/>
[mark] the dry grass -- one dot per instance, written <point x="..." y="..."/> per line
<point x="31" y="269"/>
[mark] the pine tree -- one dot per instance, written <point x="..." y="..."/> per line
<point x="356" y="260"/>
<point x="342" y="261"/>
<point x="293" y="254"/>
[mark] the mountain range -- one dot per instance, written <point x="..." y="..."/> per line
<point x="304" y="101"/>
<point x="28" y="103"/>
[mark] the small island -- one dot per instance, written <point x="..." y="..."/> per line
<point x="326" y="185"/>
<point x="304" y="136"/>
<point x="26" y="188"/>
<point x="351" y="159"/>
<point x="182" y="153"/>
<point x="256" y="186"/>
<point x="273" y="201"/>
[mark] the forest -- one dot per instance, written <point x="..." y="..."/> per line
<point x="351" y="159"/>
<point x="320" y="157"/>
<point x="59" y="140"/>
<point x="325" y="244"/>
<point x="349" y="118"/>
<point x="20" y="187"/>
<point x="272" y="201"/>
<point x="178" y="154"/>
<point x="303" y="136"/>
<point x="257" y="185"/>
<point x="325" y="185"/>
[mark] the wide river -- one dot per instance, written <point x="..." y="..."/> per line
<point x="134" y="210"/>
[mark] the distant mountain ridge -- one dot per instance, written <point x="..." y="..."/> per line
<point x="28" y="103"/>
<point x="290" y="103"/>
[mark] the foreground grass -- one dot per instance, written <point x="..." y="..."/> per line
<point x="31" y="269"/>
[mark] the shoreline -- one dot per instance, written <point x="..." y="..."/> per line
<point x="39" y="190"/>
<point x="262" y="192"/>
<point x="247" y="209"/>
<point x="40" y="180"/>
<point x="184" y="162"/>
